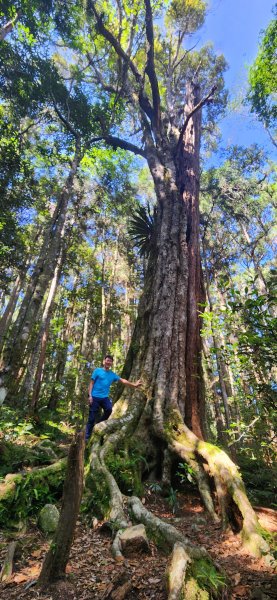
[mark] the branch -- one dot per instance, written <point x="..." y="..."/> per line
<point x="143" y="99"/>
<point x="9" y="26"/>
<point x="174" y="66"/>
<point x="193" y="111"/>
<point x="150" y="66"/>
<point x="244" y="432"/>
<point x="117" y="142"/>
<point x="63" y="119"/>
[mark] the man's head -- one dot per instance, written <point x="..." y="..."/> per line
<point x="108" y="361"/>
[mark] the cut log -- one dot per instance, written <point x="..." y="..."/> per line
<point x="134" y="541"/>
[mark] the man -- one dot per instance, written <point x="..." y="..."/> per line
<point x="98" y="392"/>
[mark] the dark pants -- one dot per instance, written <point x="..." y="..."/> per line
<point x="97" y="403"/>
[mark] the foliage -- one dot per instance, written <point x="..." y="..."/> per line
<point x="259" y="478"/>
<point x="29" y="499"/>
<point x="172" y="500"/>
<point x="125" y="466"/>
<point x="263" y="76"/>
<point x="142" y="230"/>
<point x="206" y="575"/>
<point x="185" y="473"/>
<point x="96" y="499"/>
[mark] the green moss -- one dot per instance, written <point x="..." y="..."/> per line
<point x="172" y="423"/>
<point x="269" y="537"/>
<point x="28" y="494"/>
<point x="159" y="540"/>
<point x="213" y="450"/>
<point x="97" y="496"/>
<point x="126" y="467"/>
<point x="192" y="591"/>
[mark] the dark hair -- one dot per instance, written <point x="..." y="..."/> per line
<point x="109" y="356"/>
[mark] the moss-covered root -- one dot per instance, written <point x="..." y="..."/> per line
<point x="233" y="498"/>
<point x="18" y="492"/>
<point x="181" y="585"/>
<point x="163" y="533"/>
<point x="233" y="503"/>
<point x="191" y="574"/>
<point x="100" y="479"/>
<point x="8" y="489"/>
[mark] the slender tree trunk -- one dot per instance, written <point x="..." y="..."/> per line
<point x="57" y="558"/>
<point x="42" y="275"/>
<point x="7" y="316"/>
<point x="36" y="369"/>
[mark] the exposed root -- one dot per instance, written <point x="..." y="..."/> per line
<point x="176" y="571"/>
<point x="228" y="484"/>
<point x="190" y="568"/>
<point x="116" y="546"/>
<point x="106" y="439"/>
<point x="163" y="533"/>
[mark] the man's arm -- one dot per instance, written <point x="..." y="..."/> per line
<point x="90" y="388"/>
<point x="130" y="383"/>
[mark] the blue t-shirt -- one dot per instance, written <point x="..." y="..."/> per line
<point x="102" y="382"/>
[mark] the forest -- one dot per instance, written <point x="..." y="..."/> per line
<point x="129" y="229"/>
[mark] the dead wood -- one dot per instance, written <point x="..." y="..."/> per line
<point x="7" y="567"/>
<point x="57" y="557"/>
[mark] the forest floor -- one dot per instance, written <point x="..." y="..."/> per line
<point x="92" y="569"/>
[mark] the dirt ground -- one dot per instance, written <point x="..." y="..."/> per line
<point x="92" y="568"/>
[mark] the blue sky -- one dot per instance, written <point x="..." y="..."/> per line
<point x="234" y="27"/>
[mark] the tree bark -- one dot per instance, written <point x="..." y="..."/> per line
<point x="43" y="272"/>
<point x="165" y="347"/>
<point x="165" y="352"/>
<point x="57" y="557"/>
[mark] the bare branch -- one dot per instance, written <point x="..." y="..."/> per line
<point x="244" y="433"/>
<point x="193" y="111"/>
<point x="116" y="142"/>
<point x="143" y="99"/>
<point x="175" y="66"/>
<point x="150" y="66"/>
<point x="63" y="119"/>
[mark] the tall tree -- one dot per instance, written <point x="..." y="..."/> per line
<point x="166" y="88"/>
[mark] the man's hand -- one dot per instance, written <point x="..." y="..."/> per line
<point x="131" y="383"/>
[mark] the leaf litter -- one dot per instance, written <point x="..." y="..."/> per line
<point x="93" y="574"/>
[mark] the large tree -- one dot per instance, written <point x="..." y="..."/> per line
<point x="165" y="87"/>
<point x="132" y="59"/>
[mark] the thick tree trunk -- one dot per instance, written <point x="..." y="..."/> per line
<point x="165" y="352"/>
